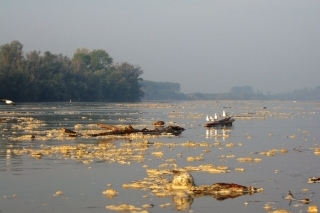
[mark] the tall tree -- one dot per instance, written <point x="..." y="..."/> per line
<point x="81" y="60"/>
<point x="125" y="80"/>
<point x="99" y="59"/>
<point x="33" y="60"/>
<point x="11" y="56"/>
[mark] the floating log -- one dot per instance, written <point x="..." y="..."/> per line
<point x="223" y="122"/>
<point x="125" y="130"/>
<point x="220" y="191"/>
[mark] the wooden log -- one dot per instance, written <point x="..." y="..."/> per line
<point x="126" y="130"/>
<point x="220" y="191"/>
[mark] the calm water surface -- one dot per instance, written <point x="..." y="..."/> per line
<point x="28" y="184"/>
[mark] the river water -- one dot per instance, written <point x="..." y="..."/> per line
<point x="30" y="184"/>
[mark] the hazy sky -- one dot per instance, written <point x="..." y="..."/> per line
<point x="206" y="46"/>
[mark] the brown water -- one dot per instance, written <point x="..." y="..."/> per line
<point x="28" y="184"/>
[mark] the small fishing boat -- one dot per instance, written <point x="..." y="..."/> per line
<point x="223" y="122"/>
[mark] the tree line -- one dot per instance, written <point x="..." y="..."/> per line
<point x="162" y="91"/>
<point x="171" y="91"/>
<point x="247" y="93"/>
<point x="87" y="76"/>
<point x="93" y="76"/>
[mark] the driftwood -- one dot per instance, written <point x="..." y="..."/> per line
<point x="184" y="181"/>
<point x="222" y="191"/>
<point x="114" y="130"/>
<point x="223" y="122"/>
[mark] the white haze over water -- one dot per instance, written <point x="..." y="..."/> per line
<point x="206" y="46"/>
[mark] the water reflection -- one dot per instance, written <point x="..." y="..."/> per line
<point x="215" y="133"/>
<point x="8" y="160"/>
<point x="106" y="141"/>
<point x="183" y="201"/>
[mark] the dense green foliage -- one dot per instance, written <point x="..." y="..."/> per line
<point x="88" y="76"/>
